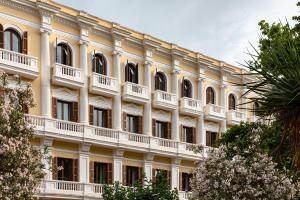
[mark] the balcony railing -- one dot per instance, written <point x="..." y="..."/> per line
<point x="106" y="137"/>
<point x="185" y="195"/>
<point x="214" y="112"/>
<point x="18" y="63"/>
<point x="235" y="117"/>
<point x="190" y="106"/>
<point x="135" y="92"/>
<point x="67" y="75"/>
<point x="101" y="84"/>
<point x="164" y="100"/>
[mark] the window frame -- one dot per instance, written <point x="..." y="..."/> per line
<point x="160" y="81"/>
<point x="102" y="59"/>
<point x="96" y="115"/>
<point x="61" y="174"/>
<point x="134" y="76"/>
<point x="12" y="33"/>
<point x="60" y="57"/>
<point x="185" y="128"/>
<point x="231" y="102"/>
<point x="97" y="173"/>
<point x="187" y="89"/>
<point x="62" y="103"/>
<point x="132" y="178"/>
<point x="210" y="96"/>
<point x="159" y="132"/>
<point x="132" y="123"/>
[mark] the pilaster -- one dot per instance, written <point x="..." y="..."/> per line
<point x="84" y="163"/>
<point x="117" y="165"/>
<point x="175" y="173"/>
<point x="46" y="144"/>
<point x="148" y="159"/>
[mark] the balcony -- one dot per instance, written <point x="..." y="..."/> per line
<point x="17" y="63"/>
<point x="164" y="100"/>
<point x="190" y="106"/>
<point x="235" y="117"/>
<point x="253" y="118"/>
<point x="215" y="113"/>
<point x="67" y="76"/>
<point x="135" y="93"/>
<point x="103" y="85"/>
<point x="111" y="138"/>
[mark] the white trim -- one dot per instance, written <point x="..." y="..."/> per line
<point x="14" y="27"/>
<point x="161" y="115"/>
<point x="72" y="49"/>
<point x="188" y="121"/>
<point x="133" y="109"/>
<point x="215" y="92"/>
<point x="65" y="94"/>
<point x="108" y="63"/>
<point x="100" y="102"/>
<point x="211" y="126"/>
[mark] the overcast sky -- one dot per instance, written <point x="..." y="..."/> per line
<point x="218" y="28"/>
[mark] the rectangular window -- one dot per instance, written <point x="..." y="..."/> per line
<point x="211" y="138"/>
<point x="63" y="110"/>
<point x="65" y="173"/>
<point x="132" y="175"/>
<point x="132" y="123"/>
<point x="187" y="134"/>
<point x="186" y="185"/>
<point x="99" y="117"/>
<point x="161" y="129"/>
<point x="100" y="173"/>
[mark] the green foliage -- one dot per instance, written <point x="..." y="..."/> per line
<point x="156" y="190"/>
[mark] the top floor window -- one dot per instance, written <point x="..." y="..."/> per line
<point x="131" y="73"/>
<point x="186" y="88"/>
<point x="210" y="96"/>
<point x="99" y="64"/>
<point x="64" y="54"/>
<point x="12" y="41"/>
<point x="160" y="82"/>
<point x="231" y="102"/>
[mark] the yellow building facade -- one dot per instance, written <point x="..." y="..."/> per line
<point x="112" y="103"/>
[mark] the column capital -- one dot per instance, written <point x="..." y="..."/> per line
<point x="85" y="148"/>
<point x="148" y="157"/>
<point x="118" y="152"/>
<point x="84" y="42"/>
<point x="223" y="86"/>
<point x="148" y="62"/>
<point x="46" y="30"/>
<point x="117" y="53"/>
<point x="201" y="79"/>
<point x="176" y="161"/>
<point x="47" y="142"/>
<point x="176" y="71"/>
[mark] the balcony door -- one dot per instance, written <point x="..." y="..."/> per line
<point x="12" y="41"/>
<point x="131" y="73"/>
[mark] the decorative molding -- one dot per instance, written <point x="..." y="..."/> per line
<point x="161" y="115"/>
<point x="65" y="94"/>
<point x="101" y="102"/>
<point x="15" y="27"/>
<point x="188" y="121"/>
<point x="133" y="109"/>
<point x="73" y="49"/>
<point x="211" y="126"/>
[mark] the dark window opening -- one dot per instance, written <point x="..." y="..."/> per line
<point x="65" y="173"/>
<point x="99" y="64"/>
<point x="100" y="173"/>
<point x="187" y="88"/>
<point x="160" y="82"/>
<point x="188" y="134"/>
<point x="99" y="117"/>
<point x="211" y="138"/>
<point x="131" y="73"/>
<point x="12" y="41"/>
<point x="64" y="54"/>
<point x="210" y="96"/>
<point x="231" y="102"/>
<point x="132" y="123"/>
<point x="132" y="175"/>
<point x="161" y="129"/>
<point x="186" y="184"/>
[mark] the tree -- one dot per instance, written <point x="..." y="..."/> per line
<point x="150" y="190"/>
<point x="21" y="169"/>
<point x="276" y="67"/>
<point x="223" y="177"/>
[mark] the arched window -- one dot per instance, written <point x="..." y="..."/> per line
<point x="99" y="64"/>
<point x="12" y="41"/>
<point x="160" y="81"/>
<point x="255" y="107"/>
<point x="64" y="54"/>
<point x="131" y="73"/>
<point x="210" y="96"/>
<point x="231" y="102"/>
<point x="186" y="88"/>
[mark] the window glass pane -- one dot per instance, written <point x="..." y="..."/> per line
<point x="16" y="43"/>
<point x="59" y="110"/>
<point x="58" y="56"/>
<point x="7" y="40"/>
<point x="66" y="112"/>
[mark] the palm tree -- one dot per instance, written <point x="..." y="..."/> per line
<point x="276" y="68"/>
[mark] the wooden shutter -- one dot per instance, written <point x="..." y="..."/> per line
<point x="153" y="175"/>
<point x="124" y="169"/>
<point x="153" y="127"/>
<point x="109" y="119"/>
<point x="168" y="177"/>
<point x="25" y="43"/>
<point x="169" y="130"/>
<point x="109" y="173"/>
<point x="180" y="181"/>
<point x="208" y="138"/>
<point x="91" y="114"/>
<point x="92" y="172"/>
<point x="54" y="109"/>
<point x="140" y="125"/>
<point x="137" y="73"/>
<point x="181" y="133"/>
<point x="182" y="88"/>
<point x="126" y="72"/>
<point x="54" y="168"/>
<point x="124" y="121"/>
<point x="75" y="170"/>
<point x="156" y="84"/>
<point x="1" y="36"/>
<point x="74" y="114"/>
<point x="140" y="174"/>
<point x="194" y="135"/>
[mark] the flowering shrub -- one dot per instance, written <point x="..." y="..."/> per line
<point x="21" y="169"/>
<point x="219" y="177"/>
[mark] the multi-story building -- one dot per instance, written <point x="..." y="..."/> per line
<point x="113" y="103"/>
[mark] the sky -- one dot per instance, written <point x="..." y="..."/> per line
<point x="222" y="29"/>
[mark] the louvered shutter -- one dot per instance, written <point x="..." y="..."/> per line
<point x="109" y="119"/>
<point x="124" y="171"/>
<point x="140" y="125"/>
<point x="74" y="115"/>
<point x="75" y="170"/>
<point x="153" y="127"/>
<point x="91" y="115"/>
<point x="180" y="181"/>
<point x="168" y="177"/>
<point x="109" y="173"/>
<point x="126" y="72"/>
<point x="194" y="135"/>
<point x="140" y="174"/>
<point x="124" y="121"/>
<point x="208" y="138"/>
<point x="182" y="88"/>
<point x="92" y="172"/>
<point x="54" y="168"/>
<point x="25" y="43"/>
<point x="54" y="109"/>
<point x="137" y="73"/>
<point x="181" y="132"/>
<point x="169" y="130"/>
<point x="1" y="37"/>
<point x="156" y="84"/>
<point x="153" y="175"/>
